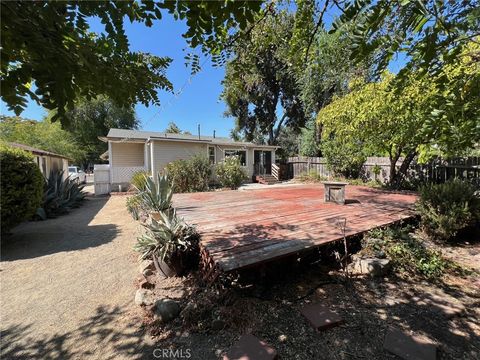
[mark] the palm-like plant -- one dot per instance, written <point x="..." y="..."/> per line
<point x="157" y="196"/>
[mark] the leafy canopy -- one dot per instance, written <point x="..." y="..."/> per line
<point x="42" y="135"/>
<point x="260" y="88"/>
<point x="49" y="53"/>
<point x="90" y="119"/>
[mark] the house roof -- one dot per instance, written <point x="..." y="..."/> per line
<point x="132" y="135"/>
<point x="37" y="151"/>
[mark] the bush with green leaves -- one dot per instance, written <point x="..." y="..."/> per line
<point x="230" y="173"/>
<point x="60" y="196"/>
<point x="170" y="240"/>
<point x="21" y="186"/>
<point x="448" y="208"/>
<point x="408" y="253"/>
<point x="190" y="175"/>
<point x="139" y="180"/>
<point x="344" y="158"/>
<point x="134" y="206"/>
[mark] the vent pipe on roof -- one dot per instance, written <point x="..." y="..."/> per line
<point x="214" y="134"/>
<point x="198" y="131"/>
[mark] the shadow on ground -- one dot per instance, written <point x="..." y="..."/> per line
<point x="18" y="342"/>
<point x="70" y="232"/>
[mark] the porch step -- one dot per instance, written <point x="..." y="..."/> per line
<point x="266" y="179"/>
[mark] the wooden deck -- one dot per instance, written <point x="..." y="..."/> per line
<point x="245" y="228"/>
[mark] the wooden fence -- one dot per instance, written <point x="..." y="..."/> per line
<point x="437" y="170"/>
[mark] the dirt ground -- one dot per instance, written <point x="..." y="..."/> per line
<point x="268" y="307"/>
<point x="67" y="287"/>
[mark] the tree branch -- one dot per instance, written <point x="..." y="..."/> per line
<point x="317" y="26"/>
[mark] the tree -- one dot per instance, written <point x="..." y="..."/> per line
<point x="42" y="135"/>
<point x="260" y="87"/>
<point x="50" y="55"/>
<point x="172" y="128"/>
<point x="91" y="119"/>
<point x="310" y="140"/>
<point x="430" y="33"/>
<point x="420" y="119"/>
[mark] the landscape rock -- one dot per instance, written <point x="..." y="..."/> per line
<point x="147" y="272"/>
<point x="166" y="310"/>
<point x="146" y="265"/>
<point x="145" y="284"/>
<point x="143" y="297"/>
<point x="370" y="266"/>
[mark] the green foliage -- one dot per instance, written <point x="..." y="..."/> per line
<point x="67" y="61"/>
<point x="259" y="80"/>
<point x="134" y="206"/>
<point x="21" y="186"/>
<point x="157" y="196"/>
<point x="447" y="208"/>
<point x="309" y="141"/>
<point x="230" y="172"/>
<point x="167" y="238"/>
<point x="345" y="158"/>
<point x="190" y="175"/>
<point x="59" y="196"/>
<point x="139" y="180"/>
<point x="407" y="253"/>
<point x="429" y="33"/>
<point x="311" y="176"/>
<point x="90" y="119"/>
<point x="42" y="135"/>
<point x="172" y="128"/>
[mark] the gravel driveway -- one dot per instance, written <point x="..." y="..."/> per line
<point x="67" y="286"/>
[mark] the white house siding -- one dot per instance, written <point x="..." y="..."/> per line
<point x="165" y="152"/>
<point x="126" y="159"/>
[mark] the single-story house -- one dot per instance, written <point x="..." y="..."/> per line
<point x="130" y="151"/>
<point x="47" y="161"/>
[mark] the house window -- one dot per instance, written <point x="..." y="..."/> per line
<point x="211" y="154"/>
<point x="242" y="155"/>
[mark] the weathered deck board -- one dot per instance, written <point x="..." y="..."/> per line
<point x="244" y="228"/>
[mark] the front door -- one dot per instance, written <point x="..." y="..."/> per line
<point x="262" y="162"/>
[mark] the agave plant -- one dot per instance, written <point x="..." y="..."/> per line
<point x="60" y="195"/>
<point x="169" y="240"/>
<point x="157" y="196"/>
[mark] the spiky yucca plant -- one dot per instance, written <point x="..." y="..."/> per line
<point x="157" y="196"/>
<point x="170" y="240"/>
<point x="60" y="195"/>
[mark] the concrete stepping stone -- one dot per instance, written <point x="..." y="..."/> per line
<point x="321" y="317"/>
<point x="409" y="347"/>
<point x="248" y="347"/>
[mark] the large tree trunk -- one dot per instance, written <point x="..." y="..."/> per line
<point x="401" y="174"/>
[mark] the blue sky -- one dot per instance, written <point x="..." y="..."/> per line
<point x="198" y="102"/>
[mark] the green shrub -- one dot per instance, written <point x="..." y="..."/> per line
<point x="139" y="179"/>
<point x="230" y="173"/>
<point x="343" y="158"/>
<point x="134" y="206"/>
<point x="190" y="175"/>
<point x="408" y="253"/>
<point x="21" y="186"/>
<point x="311" y="176"/>
<point x="447" y="208"/>
<point x="59" y="196"/>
